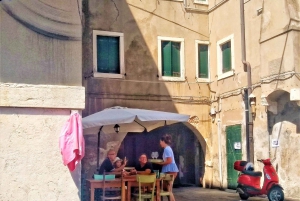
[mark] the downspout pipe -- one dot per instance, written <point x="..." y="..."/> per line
<point x="247" y="68"/>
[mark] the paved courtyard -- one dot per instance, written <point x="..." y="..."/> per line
<point x="204" y="194"/>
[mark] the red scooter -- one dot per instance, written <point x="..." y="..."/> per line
<point x="249" y="181"/>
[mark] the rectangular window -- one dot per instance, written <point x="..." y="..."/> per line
<point x="108" y="54"/>
<point x="170" y="58"/>
<point x="108" y="58"/>
<point x="225" y="54"/>
<point x="202" y="61"/>
<point x="226" y="57"/>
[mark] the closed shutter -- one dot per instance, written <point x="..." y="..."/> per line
<point x="203" y="61"/>
<point x="108" y="58"/>
<point x="166" y="58"/>
<point x="175" y="59"/>
<point x="226" y="56"/>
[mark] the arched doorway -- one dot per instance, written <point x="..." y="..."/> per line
<point x="189" y="155"/>
<point x="284" y="130"/>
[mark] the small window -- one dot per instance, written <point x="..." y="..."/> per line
<point x="108" y="54"/>
<point x="202" y="61"/>
<point x="170" y="58"/>
<point x="225" y="57"/>
<point x="201" y="1"/>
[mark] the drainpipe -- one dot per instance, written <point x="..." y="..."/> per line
<point x="248" y="91"/>
<point x="220" y="153"/>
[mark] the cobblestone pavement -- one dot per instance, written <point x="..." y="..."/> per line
<point x="204" y="194"/>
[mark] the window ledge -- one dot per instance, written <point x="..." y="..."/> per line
<point x="203" y="80"/>
<point x="175" y="79"/>
<point x="225" y="75"/>
<point x="109" y="75"/>
<point x="201" y="2"/>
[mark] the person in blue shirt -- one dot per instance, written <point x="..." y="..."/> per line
<point x="168" y="165"/>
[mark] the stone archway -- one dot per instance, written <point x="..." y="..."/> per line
<point x="188" y="151"/>
<point x="284" y="131"/>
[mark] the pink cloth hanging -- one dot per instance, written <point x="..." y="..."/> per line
<point x="71" y="141"/>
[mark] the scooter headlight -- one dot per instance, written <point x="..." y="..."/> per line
<point x="268" y="176"/>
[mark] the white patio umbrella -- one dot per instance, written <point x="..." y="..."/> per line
<point x="122" y="119"/>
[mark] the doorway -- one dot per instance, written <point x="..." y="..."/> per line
<point x="188" y="153"/>
<point x="234" y="152"/>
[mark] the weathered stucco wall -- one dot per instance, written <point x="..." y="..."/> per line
<point x="40" y="83"/>
<point x="31" y="163"/>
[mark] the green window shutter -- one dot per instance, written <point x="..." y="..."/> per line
<point x="226" y="56"/>
<point x="166" y="58"/>
<point x="203" y="61"/>
<point x="108" y="58"/>
<point x="175" y="59"/>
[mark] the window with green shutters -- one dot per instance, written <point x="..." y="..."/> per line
<point x="170" y="58"/>
<point x="202" y="61"/>
<point x="226" y="57"/>
<point x="108" y="58"/>
<point x="108" y="54"/>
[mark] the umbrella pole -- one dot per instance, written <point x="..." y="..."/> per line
<point x="98" y="148"/>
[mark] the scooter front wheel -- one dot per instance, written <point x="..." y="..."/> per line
<point x="276" y="194"/>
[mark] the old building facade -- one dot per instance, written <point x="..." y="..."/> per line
<point x="271" y="50"/>
<point x="232" y="65"/>
<point x="236" y="73"/>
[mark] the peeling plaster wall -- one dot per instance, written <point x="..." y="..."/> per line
<point x="285" y="127"/>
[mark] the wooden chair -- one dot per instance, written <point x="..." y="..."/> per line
<point x="148" y="180"/>
<point x="165" y="178"/>
<point x="111" y="193"/>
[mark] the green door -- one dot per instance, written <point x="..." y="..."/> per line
<point x="234" y="152"/>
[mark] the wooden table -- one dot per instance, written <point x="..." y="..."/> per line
<point x="92" y="184"/>
<point x="126" y="196"/>
<point x="132" y="182"/>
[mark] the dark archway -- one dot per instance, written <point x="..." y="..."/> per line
<point x="189" y="155"/>
<point x="282" y="109"/>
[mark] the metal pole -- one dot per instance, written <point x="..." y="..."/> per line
<point x="98" y="148"/>
<point x="248" y="91"/>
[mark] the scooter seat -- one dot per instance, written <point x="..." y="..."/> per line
<point x="252" y="173"/>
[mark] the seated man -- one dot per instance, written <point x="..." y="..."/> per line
<point x="144" y="167"/>
<point x="107" y="164"/>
